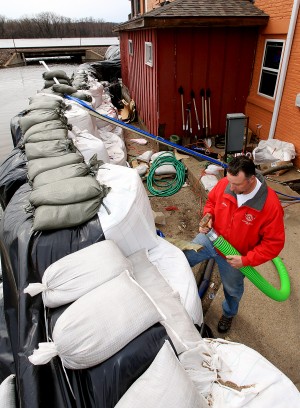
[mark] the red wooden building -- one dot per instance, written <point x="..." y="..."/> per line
<point x="193" y="44"/>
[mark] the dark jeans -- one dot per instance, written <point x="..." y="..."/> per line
<point x="232" y="279"/>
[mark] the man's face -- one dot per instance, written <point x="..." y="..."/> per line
<point x="240" y="184"/>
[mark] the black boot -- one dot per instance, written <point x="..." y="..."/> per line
<point x="224" y="324"/>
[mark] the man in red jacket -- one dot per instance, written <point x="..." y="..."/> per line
<point x="248" y="214"/>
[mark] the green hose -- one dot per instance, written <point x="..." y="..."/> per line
<point x="260" y="282"/>
<point x="166" y="187"/>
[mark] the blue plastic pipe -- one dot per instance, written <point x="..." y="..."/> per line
<point x="141" y="132"/>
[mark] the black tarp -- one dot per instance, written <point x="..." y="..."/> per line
<point x="103" y="385"/>
<point x="15" y="130"/>
<point x="25" y="256"/>
<point x="106" y="70"/>
<point x="13" y="174"/>
<point x="7" y="366"/>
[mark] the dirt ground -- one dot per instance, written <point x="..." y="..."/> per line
<point x="182" y="221"/>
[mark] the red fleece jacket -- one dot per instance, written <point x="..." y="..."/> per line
<point x="255" y="229"/>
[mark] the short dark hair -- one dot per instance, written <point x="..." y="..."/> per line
<point x="241" y="163"/>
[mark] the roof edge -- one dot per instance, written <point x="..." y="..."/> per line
<point x="182" y="22"/>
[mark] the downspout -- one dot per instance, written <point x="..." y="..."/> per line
<point x="286" y="57"/>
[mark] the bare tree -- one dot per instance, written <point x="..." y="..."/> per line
<point x="51" y="25"/>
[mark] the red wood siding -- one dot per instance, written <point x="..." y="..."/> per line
<point x="140" y="78"/>
<point x="217" y="58"/>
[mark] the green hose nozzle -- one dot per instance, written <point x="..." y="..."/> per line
<point x="259" y="281"/>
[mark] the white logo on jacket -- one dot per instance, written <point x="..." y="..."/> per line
<point x="249" y="218"/>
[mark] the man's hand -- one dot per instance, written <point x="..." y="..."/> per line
<point x="205" y="224"/>
<point x="235" y="261"/>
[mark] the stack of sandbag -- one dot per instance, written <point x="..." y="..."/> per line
<point x="130" y="224"/>
<point x="53" y="159"/>
<point x="57" y="82"/>
<point x="115" y="300"/>
<point x="59" y="74"/>
<point x="66" y="203"/>
<point x="80" y="80"/>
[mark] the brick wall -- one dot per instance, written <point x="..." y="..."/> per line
<point x="259" y="108"/>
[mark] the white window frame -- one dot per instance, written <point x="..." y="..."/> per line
<point x="130" y="47"/>
<point x="273" y="70"/>
<point x="149" y="54"/>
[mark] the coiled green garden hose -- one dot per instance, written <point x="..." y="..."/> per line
<point x="259" y="281"/>
<point x="166" y="187"/>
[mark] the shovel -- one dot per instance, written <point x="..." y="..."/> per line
<point x="180" y="90"/>
<point x="195" y="108"/>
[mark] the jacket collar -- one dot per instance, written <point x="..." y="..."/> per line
<point x="258" y="201"/>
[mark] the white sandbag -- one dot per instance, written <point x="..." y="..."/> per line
<point x="99" y="324"/>
<point x="107" y="109"/>
<point x="77" y="116"/>
<point x="8" y="392"/>
<point x="110" y="139"/>
<point x="232" y="375"/>
<point x="88" y="145"/>
<point x="76" y="274"/>
<point x="115" y="129"/>
<point x="164" y="385"/>
<point x="174" y="267"/>
<point x="209" y="181"/>
<point x="116" y="155"/>
<point x="115" y="147"/>
<point x="165" y="168"/>
<point x="96" y="91"/>
<point x="273" y="150"/>
<point x="130" y="223"/>
<point x="183" y="332"/>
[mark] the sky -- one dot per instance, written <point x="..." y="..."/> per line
<point x="108" y="10"/>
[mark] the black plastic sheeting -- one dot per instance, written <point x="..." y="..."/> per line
<point x="15" y="129"/>
<point x="7" y="366"/>
<point x="13" y="174"/>
<point x="25" y="256"/>
<point x="106" y="70"/>
<point x="103" y="385"/>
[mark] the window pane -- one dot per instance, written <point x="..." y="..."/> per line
<point x="273" y="55"/>
<point x="268" y="83"/>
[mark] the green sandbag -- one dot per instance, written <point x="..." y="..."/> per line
<point x="83" y="96"/>
<point x="53" y="134"/>
<point x="38" y="116"/>
<point x="42" y="96"/>
<point x="45" y="126"/>
<point x="50" y="82"/>
<point x="75" y="190"/>
<point x="50" y="217"/>
<point x="48" y="148"/>
<point x="51" y="92"/>
<point x="64" y="89"/>
<point x="57" y="73"/>
<point x="47" y="104"/>
<point x="80" y="85"/>
<point x="37" y="166"/>
<point x="61" y="173"/>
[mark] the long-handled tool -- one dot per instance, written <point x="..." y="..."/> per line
<point x="208" y="94"/>
<point x="202" y="94"/>
<point x="180" y="90"/>
<point x="189" y="110"/>
<point x="205" y="112"/>
<point x="195" y="108"/>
